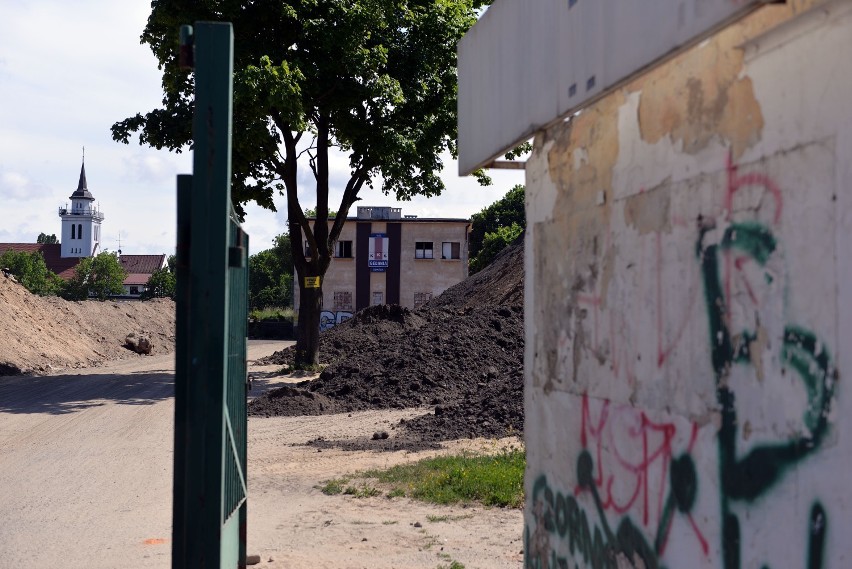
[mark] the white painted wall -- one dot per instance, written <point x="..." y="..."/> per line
<point x="659" y="241"/>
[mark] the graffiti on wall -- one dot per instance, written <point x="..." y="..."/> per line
<point x="636" y="475"/>
<point x="329" y="319"/>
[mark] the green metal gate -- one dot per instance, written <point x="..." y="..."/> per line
<point x="209" y="517"/>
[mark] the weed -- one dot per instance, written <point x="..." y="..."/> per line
<point x="334" y="486"/>
<point x="363" y="491"/>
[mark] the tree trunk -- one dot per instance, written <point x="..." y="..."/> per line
<point x="310" y="308"/>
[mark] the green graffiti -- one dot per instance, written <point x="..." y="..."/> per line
<point x="597" y="545"/>
<point x="742" y="478"/>
<point x="751" y="476"/>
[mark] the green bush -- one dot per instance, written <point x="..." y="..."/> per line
<point x="32" y="272"/>
<point x="160" y="285"/>
<point x="101" y="276"/>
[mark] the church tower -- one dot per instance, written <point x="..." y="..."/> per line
<point x="81" y="223"/>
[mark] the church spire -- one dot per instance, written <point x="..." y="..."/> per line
<point x="82" y="191"/>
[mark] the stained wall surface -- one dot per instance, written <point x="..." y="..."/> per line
<point x="688" y="309"/>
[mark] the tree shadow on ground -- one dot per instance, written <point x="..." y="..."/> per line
<point x="61" y="394"/>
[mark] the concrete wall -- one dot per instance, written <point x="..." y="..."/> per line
<point x="688" y="308"/>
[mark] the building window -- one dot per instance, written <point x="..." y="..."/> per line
<point x="73" y="231"/>
<point x="342" y="300"/>
<point x="343" y="250"/>
<point x="451" y="250"/>
<point x="134" y="290"/>
<point x="378" y="297"/>
<point x="307" y="250"/>
<point x="79" y="231"/>
<point x="421" y="298"/>
<point x="423" y="250"/>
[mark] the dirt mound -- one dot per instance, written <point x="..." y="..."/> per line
<point x="462" y="354"/>
<point x="499" y="284"/>
<point x="43" y="334"/>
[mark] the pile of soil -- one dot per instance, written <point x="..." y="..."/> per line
<point x="461" y="353"/>
<point x="45" y="334"/>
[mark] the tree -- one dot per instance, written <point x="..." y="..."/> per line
<point x="374" y="78"/>
<point x="312" y="212"/>
<point x="31" y="271"/>
<point x="48" y="239"/>
<point x="101" y="276"/>
<point x="271" y="275"/>
<point x="498" y="219"/>
<point x="161" y="284"/>
<point x="493" y="243"/>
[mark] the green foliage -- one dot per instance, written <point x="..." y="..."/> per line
<point x="312" y="212"/>
<point x="374" y="78"/>
<point x="101" y="276"/>
<point x="271" y="313"/>
<point x="493" y="243"/>
<point x="171" y="263"/>
<point x="271" y="276"/>
<point x="48" y="239"/>
<point x="334" y="486"/>
<point x="31" y="271"/>
<point x="161" y="285"/>
<point x="493" y="480"/>
<point x="508" y="212"/>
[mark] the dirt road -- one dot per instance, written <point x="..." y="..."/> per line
<point x="86" y="474"/>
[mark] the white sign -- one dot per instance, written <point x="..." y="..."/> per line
<point x="528" y="62"/>
<point x="378" y="252"/>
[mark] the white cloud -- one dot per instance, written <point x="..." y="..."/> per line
<point x="16" y="186"/>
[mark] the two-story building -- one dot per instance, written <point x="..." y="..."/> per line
<point x="383" y="257"/>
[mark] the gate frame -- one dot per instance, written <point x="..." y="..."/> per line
<point x="210" y="491"/>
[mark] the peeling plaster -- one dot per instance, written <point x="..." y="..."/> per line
<point x="693" y="102"/>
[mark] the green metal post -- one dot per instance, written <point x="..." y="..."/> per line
<point x="210" y="432"/>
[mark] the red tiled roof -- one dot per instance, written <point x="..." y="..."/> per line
<point x="64" y="267"/>
<point x="137" y="279"/>
<point x="145" y="264"/>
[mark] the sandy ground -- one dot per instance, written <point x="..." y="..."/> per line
<point x="85" y="481"/>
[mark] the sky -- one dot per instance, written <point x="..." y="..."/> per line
<point x="68" y="71"/>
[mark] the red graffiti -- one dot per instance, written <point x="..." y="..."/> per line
<point x="635" y="474"/>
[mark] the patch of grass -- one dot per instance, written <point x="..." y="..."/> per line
<point x="493" y="480"/>
<point x="313" y="368"/>
<point x="453" y="565"/>
<point x="364" y="491"/>
<point x="334" y="486"/>
<point x="396" y="493"/>
<point x="389" y="522"/>
<point x="271" y="313"/>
